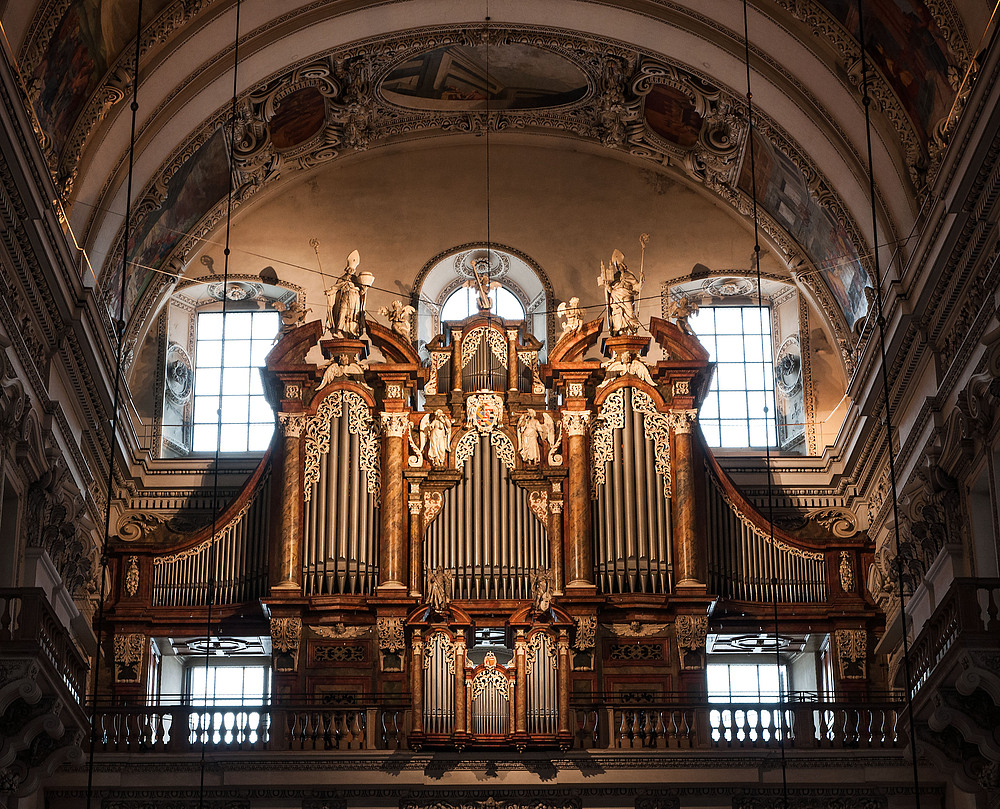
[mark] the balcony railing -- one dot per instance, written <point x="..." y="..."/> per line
<point x="968" y="615"/>
<point x="810" y="724"/>
<point x="29" y="625"/>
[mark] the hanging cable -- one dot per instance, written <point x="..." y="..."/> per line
<point x="115" y="404"/>
<point x="216" y="506"/>
<point x="779" y="723"/>
<point x="880" y="322"/>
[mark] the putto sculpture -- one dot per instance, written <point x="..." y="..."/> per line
<point x="570" y="310"/>
<point x="399" y="316"/>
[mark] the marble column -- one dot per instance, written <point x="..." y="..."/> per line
<point x="392" y="548"/>
<point x="512" y="360"/>
<point x="286" y="569"/>
<point x="562" y="647"/>
<point x="417" y="683"/>
<point x="461" y="701"/>
<point x="579" y="567"/>
<point x="521" y="684"/>
<point x="690" y="568"/>
<point x="556" y="545"/>
<point x="456" y="359"/>
<point x="416" y="505"/>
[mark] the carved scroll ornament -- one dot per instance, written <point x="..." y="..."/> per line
<point x="359" y="423"/>
<point x="852" y="653"/>
<point x="390" y="634"/>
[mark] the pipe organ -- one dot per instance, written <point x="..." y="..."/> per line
<point x="416" y="515"/>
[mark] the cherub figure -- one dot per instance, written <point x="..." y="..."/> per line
<point x="292" y="316"/>
<point x="398" y="316"/>
<point x="680" y="310"/>
<point x="626" y="362"/>
<point x="343" y="365"/>
<point x="570" y="310"/>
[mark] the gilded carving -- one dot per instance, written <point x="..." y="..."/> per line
<point x="339" y="631"/>
<point x="390" y="634"/>
<point x="359" y="423"/>
<point x="538" y="644"/>
<point x="657" y="427"/>
<point x="586" y="632"/>
<point x="129" y="651"/>
<point x="293" y="391"/>
<point x="436" y="643"/>
<point x="682" y="387"/>
<point x="438" y="359"/>
<point x="691" y="632"/>
<point x="852" y="653"/>
<point x="492" y="679"/>
<point x="539" y="504"/>
<point x="494" y="339"/>
<point x="576" y="422"/>
<point x="484" y="411"/>
<point x="394" y="425"/>
<point x="846" y="570"/>
<point x="132" y="576"/>
<point x="285" y="635"/>
<point x="433" y="501"/>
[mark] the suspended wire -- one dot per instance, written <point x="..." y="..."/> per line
<point x="115" y="406"/>
<point x="887" y="404"/>
<point x="216" y="506"/>
<point x="779" y="724"/>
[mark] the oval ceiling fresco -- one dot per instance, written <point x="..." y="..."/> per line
<point x="455" y="77"/>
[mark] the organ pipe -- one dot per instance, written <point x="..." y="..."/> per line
<point x="341" y="526"/>
<point x="486" y="532"/>
<point x="744" y="562"/>
<point x="235" y="559"/>
<point x="631" y="514"/>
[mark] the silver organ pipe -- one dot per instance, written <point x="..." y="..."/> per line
<point x="485" y="366"/>
<point x="340" y="542"/>
<point x="486" y="532"/>
<point x="631" y="514"/>
<point x="490" y="707"/>
<point x="234" y="560"/>
<point x="744" y="561"/>
<point x="439" y="684"/>
<point x="543" y="684"/>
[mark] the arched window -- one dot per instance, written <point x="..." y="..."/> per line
<point x="446" y="290"/>
<point x="464" y="301"/>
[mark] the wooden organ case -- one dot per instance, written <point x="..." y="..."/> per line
<point x="478" y="549"/>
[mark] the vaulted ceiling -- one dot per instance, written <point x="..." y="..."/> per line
<point x="658" y="87"/>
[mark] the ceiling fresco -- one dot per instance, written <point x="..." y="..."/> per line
<point x="463" y="77"/>
<point x="439" y="80"/>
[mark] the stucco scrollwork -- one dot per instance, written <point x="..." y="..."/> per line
<point x="841" y="522"/>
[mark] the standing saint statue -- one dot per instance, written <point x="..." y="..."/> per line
<point x="438" y="437"/>
<point x="621" y="288"/>
<point x="346" y="299"/>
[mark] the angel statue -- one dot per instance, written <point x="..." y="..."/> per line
<point x="626" y="362"/>
<point x="346" y="299"/>
<point x="292" y="316"/>
<point x="435" y="435"/>
<point x="439" y="583"/>
<point x="398" y="316"/>
<point x="574" y="317"/>
<point x="541" y="590"/>
<point x="621" y="290"/>
<point x="680" y="310"/>
<point x="533" y="434"/>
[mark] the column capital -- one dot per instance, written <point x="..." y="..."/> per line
<point x="292" y="424"/>
<point x="575" y="422"/>
<point x="394" y="425"/>
<point x="682" y="421"/>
